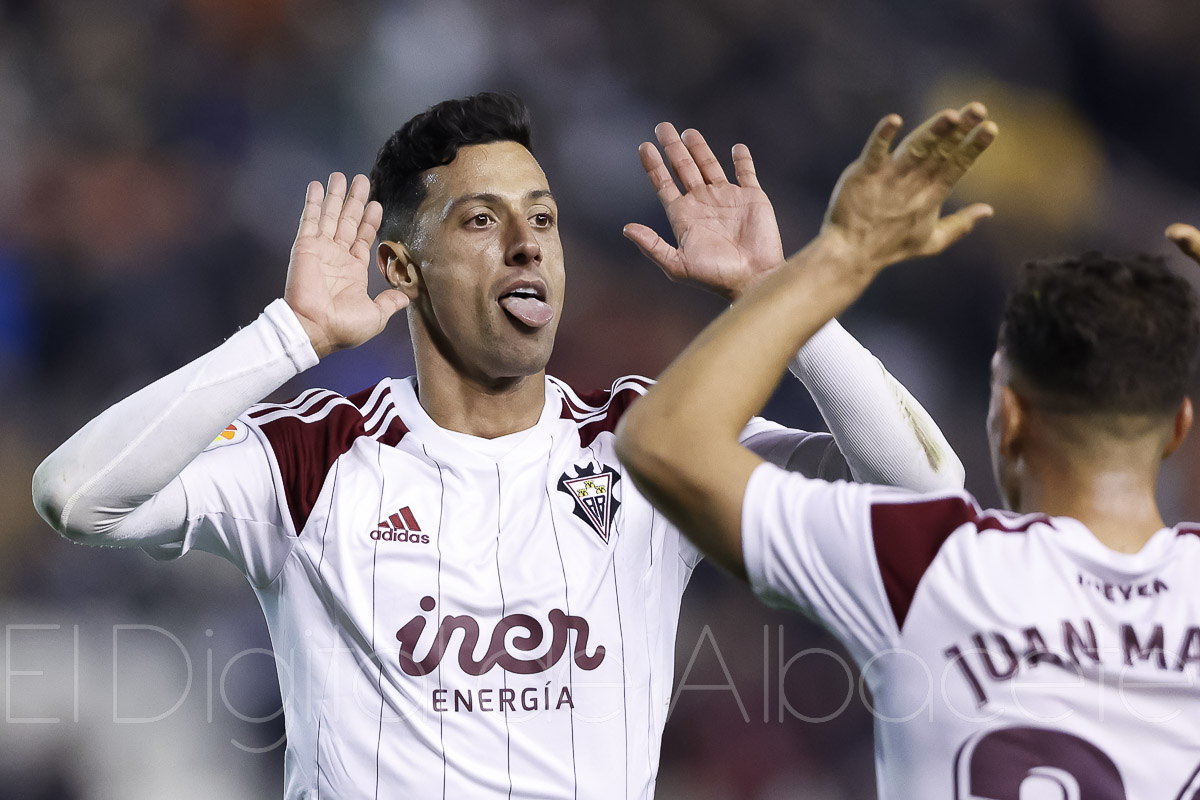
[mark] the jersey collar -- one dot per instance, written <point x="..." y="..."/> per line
<point x="462" y="444"/>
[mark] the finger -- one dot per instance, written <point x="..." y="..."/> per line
<point x="945" y="144"/>
<point x="352" y="210"/>
<point x="389" y="301"/>
<point x="969" y="117"/>
<point x="961" y="160"/>
<point x="331" y="208"/>
<point x="1186" y="238"/>
<point x="880" y="141"/>
<point x="743" y="167"/>
<point x="653" y="247"/>
<point x="921" y="146"/>
<point x="678" y="156"/>
<point x="368" y="229"/>
<point x="312" y="209"/>
<point x="660" y="177"/>
<point x="702" y="154"/>
<point x="955" y="226"/>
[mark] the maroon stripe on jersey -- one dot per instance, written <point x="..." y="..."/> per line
<point x="590" y="403"/>
<point x="908" y="537"/>
<point x="574" y="410"/>
<point x="580" y="407"/>
<point x="306" y="449"/>
<point x="261" y="410"/>
<point x="1186" y="528"/>
<point x="607" y="408"/>
<point x="993" y="521"/>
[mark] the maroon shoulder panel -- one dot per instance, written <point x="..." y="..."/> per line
<point x="907" y="538"/>
<point x="1186" y="528"/>
<point x="602" y="410"/>
<point x="306" y="449"/>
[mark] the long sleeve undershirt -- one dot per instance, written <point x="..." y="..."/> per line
<point x="116" y="480"/>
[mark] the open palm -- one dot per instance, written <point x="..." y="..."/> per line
<point x="327" y="274"/>
<point x="726" y="233"/>
<point x="887" y="205"/>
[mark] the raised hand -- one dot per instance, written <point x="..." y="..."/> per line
<point x="887" y="205"/>
<point x="1186" y="238"/>
<point x="726" y="232"/>
<point x="327" y="274"/>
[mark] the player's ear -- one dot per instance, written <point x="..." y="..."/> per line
<point x="1183" y="424"/>
<point x="398" y="267"/>
<point x="1012" y="423"/>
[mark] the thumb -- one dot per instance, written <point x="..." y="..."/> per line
<point x="1186" y="238"/>
<point x="652" y="246"/>
<point x="955" y="226"/>
<point x="389" y="301"/>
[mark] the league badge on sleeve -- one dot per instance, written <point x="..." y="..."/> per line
<point x="234" y="432"/>
<point x="592" y="491"/>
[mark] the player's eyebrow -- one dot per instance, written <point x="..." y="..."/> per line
<point x="490" y="198"/>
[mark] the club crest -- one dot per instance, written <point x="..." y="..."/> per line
<point x="592" y="491"/>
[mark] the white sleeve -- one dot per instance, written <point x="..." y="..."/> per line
<point x="807" y="545"/>
<point x="850" y="555"/>
<point x="233" y="507"/>
<point x="227" y="503"/>
<point x="124" y="479"/>
<point x="813" y="455"/>
<point x="884" y="434"/>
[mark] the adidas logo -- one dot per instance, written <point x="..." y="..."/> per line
<point x="400" y="527"/>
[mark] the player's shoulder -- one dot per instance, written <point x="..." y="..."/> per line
<point x="909" y="531"/>
<point x="906" y="514"/>
<point x="306" y="435"/>
<point x="327" y="416"/>
<point x="598" y="411"/>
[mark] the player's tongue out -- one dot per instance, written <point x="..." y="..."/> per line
<point x="528" y="309"/>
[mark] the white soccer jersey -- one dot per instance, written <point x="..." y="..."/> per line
<point x="1009" y="657"/>
<point x="456" y="617"/>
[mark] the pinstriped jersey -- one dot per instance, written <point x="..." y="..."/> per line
<point x="1009" y="657"/>
<point x="452" y="616"/>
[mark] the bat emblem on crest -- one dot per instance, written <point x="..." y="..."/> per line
<point x="592" y="491"/>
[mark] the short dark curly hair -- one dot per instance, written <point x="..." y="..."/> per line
<point x="1103" y="335"/>
<point x="432" y="139"/>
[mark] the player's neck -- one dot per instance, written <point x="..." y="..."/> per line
<point x="488" y="409"/>
<point x="1115" y="501"/>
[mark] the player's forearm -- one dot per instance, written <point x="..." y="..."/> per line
<point x="680" y="442"/>
<point x="883" y="432"/>
<point x="748" y="347"/>
<point x="131" y="451"/>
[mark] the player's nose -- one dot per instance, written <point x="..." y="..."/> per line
<point x="522" y="247"/>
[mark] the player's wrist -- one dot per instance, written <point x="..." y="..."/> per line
<point x="755" y="277"/>
<point x="843" y="255"/>
<point x="316" y="334"/>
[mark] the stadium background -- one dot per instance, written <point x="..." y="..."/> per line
<point x="153" y="155"/>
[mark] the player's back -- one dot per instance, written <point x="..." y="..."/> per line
<point x="1052" y="659"/>
<point x="1009" y="657"/>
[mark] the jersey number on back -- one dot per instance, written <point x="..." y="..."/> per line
<point x="1017" y="763"/>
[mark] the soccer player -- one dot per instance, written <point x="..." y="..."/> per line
<point x="465" y="594"/>
<point x="1048" y="653"/>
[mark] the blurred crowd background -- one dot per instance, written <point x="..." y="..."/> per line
<point x="153" y="159"/>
